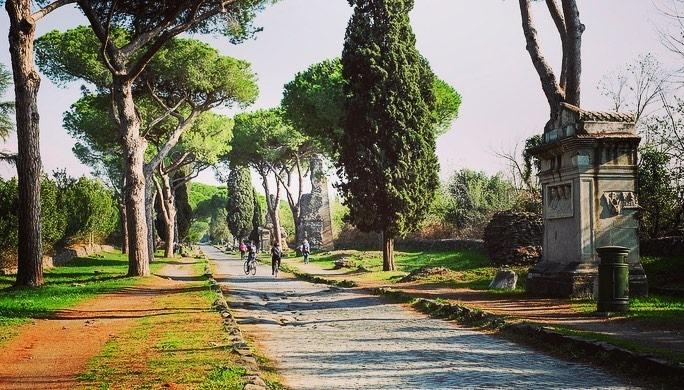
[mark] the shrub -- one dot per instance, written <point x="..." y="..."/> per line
<point x="70" y="210"/>
<point x="476" y="197"/>
<point x="91" y="210"/>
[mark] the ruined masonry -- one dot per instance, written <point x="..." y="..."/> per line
<point x="316" y="214"/>
<point x="588" y="176"/>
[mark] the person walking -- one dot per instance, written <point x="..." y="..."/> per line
<point x="306" y="250"/>
<point x="243" y="250"/>
<point x="276" y="256"/>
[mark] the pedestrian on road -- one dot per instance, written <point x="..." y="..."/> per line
<point x="306" y="250"/>
<point x="276" y="256"/>
<point x="243" y="250"/>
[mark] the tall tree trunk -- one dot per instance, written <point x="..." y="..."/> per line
<point x="552" y="90"/>
<point x="149" y="213"/>
<point x="124" y="228"/>
<point x="134" y="154"/>
<point x="26" y="85"/>
<point x="387" y="252"/>
<point x="168" y="200"/>
<point x="297" y="218"/>
<point x="275" y="217"/>
<point x="573" y="49"/>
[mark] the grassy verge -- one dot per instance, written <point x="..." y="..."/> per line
<point x="64" y="287"/>
<point x="633" y="346"/>
<point x="653" y="310"/>
<point x="469" y="269"/>
<point x="184" y="347"/>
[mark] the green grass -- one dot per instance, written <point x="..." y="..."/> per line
<point x="634" y="346"/>
<point x="655" y="309"/>
<point x="64" y="287"/>
<point x="471" y="269"/>
<point x="184" y="344"/>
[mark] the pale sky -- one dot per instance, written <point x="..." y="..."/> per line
<point x="476" y="46"/>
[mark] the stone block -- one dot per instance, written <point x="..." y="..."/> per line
<point x="505" y="279"/>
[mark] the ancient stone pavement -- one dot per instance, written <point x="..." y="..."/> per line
<point x="329" y="338"/>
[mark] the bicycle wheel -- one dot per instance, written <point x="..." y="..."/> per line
<point x="246" y="267"/>
<point x="254" y="267"/>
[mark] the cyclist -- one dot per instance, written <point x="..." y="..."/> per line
<point x="252" y="248"/>
<point x="276" y="256"/>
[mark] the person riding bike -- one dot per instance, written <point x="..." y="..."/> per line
<point x="252" y="248"/>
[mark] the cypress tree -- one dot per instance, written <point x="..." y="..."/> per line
<point x="387" y="160"/>
<point x="241" y="201"/>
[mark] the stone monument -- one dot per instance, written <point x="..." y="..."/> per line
<point x="588" y="177"/>
<point x="316" y="225"/>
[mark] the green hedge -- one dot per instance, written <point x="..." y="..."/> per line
<point x="72" y="210"/>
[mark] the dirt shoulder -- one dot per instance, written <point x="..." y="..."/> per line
<point x="51" y="353"/>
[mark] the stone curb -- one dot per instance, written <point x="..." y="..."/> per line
<point x="610" y="355"/>
<point x="253" y="379"/>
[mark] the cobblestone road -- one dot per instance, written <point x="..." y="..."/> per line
<point x="330" y="338"/>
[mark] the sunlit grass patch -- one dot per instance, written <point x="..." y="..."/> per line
<point x="469" y="268"/>
<point x="183" y="344"/>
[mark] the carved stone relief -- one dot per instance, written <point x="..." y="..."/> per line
<point x="559" y="201"/>
<point x="619" y="200"/>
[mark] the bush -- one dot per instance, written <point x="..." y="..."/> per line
<point x="70" y="210"/>
<point x="53" y="219"/>
<point x="475" y="197"/>
<point x="91" y="210"/>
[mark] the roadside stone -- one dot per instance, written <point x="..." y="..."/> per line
<point x="505" y="279"/>
<point x="345" y="263"/>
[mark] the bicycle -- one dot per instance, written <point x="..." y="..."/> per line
<point x="249" y="266"/>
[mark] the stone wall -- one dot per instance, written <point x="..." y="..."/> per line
<point x="514" y="238"/>
<point x="316" y="224"/>
<point x="62" y="256"/>
<point x="661" y="247"/>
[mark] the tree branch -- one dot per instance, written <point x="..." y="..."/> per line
<point x="41" y="13"/>
<point x="559" y="21"/>
<point x="573" y="52"/>
<point x="554" y="94"/>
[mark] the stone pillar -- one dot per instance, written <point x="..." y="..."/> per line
<point x="316" y="224"/>
<point x="588" y="177"/>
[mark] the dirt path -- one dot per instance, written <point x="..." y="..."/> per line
<point x="324" y="337"/>
<point x="51" y="353"/>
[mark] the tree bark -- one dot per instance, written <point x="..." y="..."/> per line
<point x="559" y="21"/>
<point x="134" y="154"/>
<point x="387" y="252"/>
<point x="149" y="213"/>
<point x="124" y="228"/>
<point x="26" y="85"/>
<point x="168" y="202"/>
<point x="572" y="48"/>
<point x="554" y="94"/>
